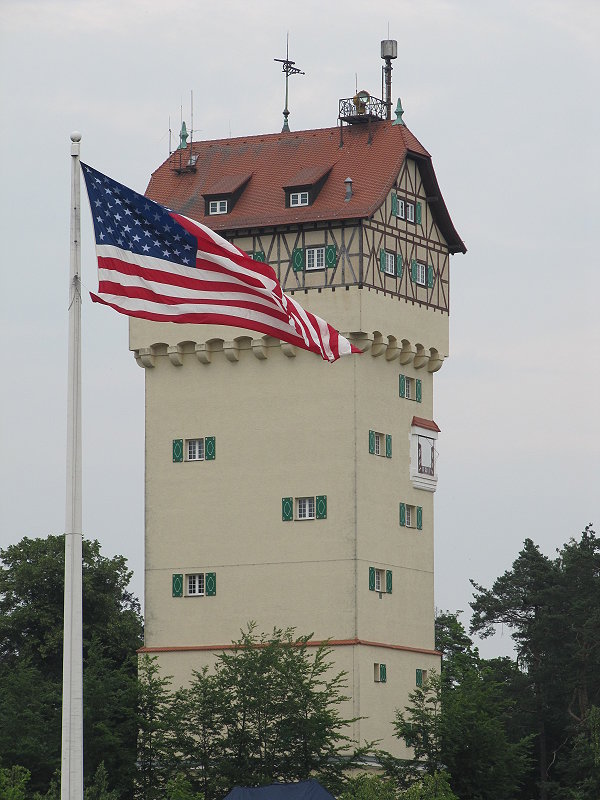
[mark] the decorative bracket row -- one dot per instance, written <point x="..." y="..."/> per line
<point x="375" y="344"/>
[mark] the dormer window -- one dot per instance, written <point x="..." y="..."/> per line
<point x="298" y="199"/>
<point x="218" y="207"/>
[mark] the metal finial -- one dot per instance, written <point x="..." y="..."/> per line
<point x="183" y="137"/>
<point x="289" y="69"/>
<point x="399" y="113"/>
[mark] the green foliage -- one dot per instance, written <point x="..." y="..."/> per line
<point x="430" y="787"/>
<point x="98" y="788"/>
<point x="268" y="712"/>
<point x="13" y="783"/>
<point x="369" y="787"/>
<point x="157" y="762"/>
<point x="552" y="607"/>
<point x="31" y="630"/>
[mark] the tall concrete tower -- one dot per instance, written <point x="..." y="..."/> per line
<point x="280" y="488"/>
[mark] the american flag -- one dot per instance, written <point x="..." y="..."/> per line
<point x="156" y="264"/>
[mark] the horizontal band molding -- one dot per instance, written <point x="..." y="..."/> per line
<point x="312" y="643"/>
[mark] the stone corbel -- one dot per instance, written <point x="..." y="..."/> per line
<point x="289" y="350"/>
<point x="379" y="347"/>
<point x="175" y="353"/>
<point x="232" y="351"/>
<point x="421" y="358"/>
<point x="392" y="350"/>
<point x="259" y="348"/>
<point x="406" y="353"/>
<point x="435" y="361"/>
<point x="145" y="357"/>
<point x="203" y="353"/>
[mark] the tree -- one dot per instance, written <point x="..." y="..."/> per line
<point x="13" y="783"/>
<point x="553" y="609"/>
<point x="268" y="712"/>
<point x="457" y="722"/>
<point x="31" y="629"/>
<point x="369" y="787"/>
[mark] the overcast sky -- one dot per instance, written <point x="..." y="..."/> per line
<point x="503" y="94"/>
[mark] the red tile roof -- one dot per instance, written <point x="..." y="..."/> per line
<point x="307" y="176"/>
<point x="277" y="160"/>
<point x="228" y="184"/>
<point x="429" y="424"/>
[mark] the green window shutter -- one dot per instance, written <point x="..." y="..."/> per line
<point x="399" y="265"/>
<point x="419" y="518"/>
<point x="211" y="584"/>
<point x="418" y="210"/>
<point x="321" y="506"/>
<point x="388" y="445"/>
<point x="382" y="673"/>
<point x="394" y="204"/>
<point x="177" y="584"/>
<point x="388" y="581"/>
<point x="372" y="442"/>
<point x="413" y="270"/>
<point x="419" y="392"/>
<point x="402" y="385"/>
<point x="330" y="256"/>
<point x="382" y="260"/>
<point x="402" y="515"/>
<point x="258" y="255"/>
<point x="210" y="448"/>
<point x="177" y="450"/>
<point x="287" y="509"/>
<point x="419" y="677"/>
<point x="371" y="579"/>
<point x="429" y="275"/>
<point x="298" y="259"/>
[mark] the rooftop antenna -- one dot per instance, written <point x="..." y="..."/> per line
<point x="170" y="145"/>
<point x="389" y="51"/>
<point x="289" y="69"/>
<point x="191" y="122"/>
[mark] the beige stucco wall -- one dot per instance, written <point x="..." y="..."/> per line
<point x="293" y="426"/>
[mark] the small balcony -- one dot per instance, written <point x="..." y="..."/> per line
<point x="361" y="108"/>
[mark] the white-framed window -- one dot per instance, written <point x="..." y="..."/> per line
<point x="194" y="449"/>
<point x="379" y="580"/>
<point x="401" y="213"/>
<point x="408" y="388"/>
<point x="390" y="263"/>
<point x="410" y="516"/>
<point x="410" y="212"/>
<point x="421" y="274"/>
<point x="217" y="207"/>
<point x="379" y="444"/>
<point x="426" y="455"/>
<point x="315" y="258"/>
<point x="195" y="584"/>
<point x="298" y="199"/>
<point x="423" y="454"/>
<point x="305" y="508"/>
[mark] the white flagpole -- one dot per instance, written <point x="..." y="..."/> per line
<point x="71" y="780"/>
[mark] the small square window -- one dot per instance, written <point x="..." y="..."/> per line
<point x="410" y="212"/>
<point x="421" y="274"/>
<point x="194" y="449"/>
<point x="298" y="199"/>
<point x="305" y="508"/>
<point x="217" y="207"/>
<point x="315" y="258"/>
<point x="195" y="584"/>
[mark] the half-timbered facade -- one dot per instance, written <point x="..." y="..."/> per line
<point x="279" y="488"/>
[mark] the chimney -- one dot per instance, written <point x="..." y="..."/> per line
<point x="348" y="184"/>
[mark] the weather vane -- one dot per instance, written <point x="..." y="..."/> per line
<point x="289" y="69"/>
